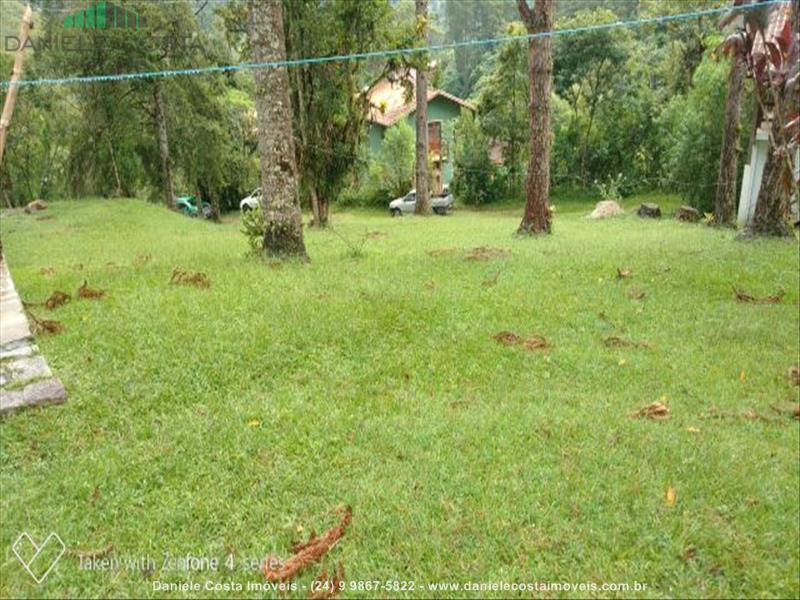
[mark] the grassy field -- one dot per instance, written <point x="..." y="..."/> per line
<point x="234" y="420"/>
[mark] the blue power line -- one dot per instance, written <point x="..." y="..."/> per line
<point x="388" y="53"/>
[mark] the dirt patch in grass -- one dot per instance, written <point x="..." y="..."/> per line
<point x="491" y="282"/>
<point x="376" y="235"/>
<point x="190" y="278"/>
<point x="530" y="343"/>
<point x="745" y="298"/>
<point x="746" y="415"/>
<point x="484" y="253"/>
<point x="305" y="554"/>
<point x="614" y="341"/>
<point x="636" y="293"/>
<point x="438" y="252"/>
<point x="47" y="271"/>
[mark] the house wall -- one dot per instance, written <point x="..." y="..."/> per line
<point x="439" y="109"/>
<point x="444" y="110"/>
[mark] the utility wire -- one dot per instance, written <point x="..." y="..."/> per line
<point x="388" y="53"/>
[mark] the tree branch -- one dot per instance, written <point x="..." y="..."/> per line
<point x="526" y="13"/>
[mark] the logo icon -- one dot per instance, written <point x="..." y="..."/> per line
<point x="38" y="559"/>
<point x="103" y="15"/>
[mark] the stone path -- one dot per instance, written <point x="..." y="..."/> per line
<point x="25" y="378"/>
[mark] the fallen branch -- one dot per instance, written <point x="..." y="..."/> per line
<point x="276" y="570"/>
<point x="745" y="298"/>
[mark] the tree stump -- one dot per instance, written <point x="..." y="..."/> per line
<point x="35" y="205"/>
<point x="687" y="214"/>
<point x="606" y="208"/>
<point x="649" y="210"/>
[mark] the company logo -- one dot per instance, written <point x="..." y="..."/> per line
<point x="103" y="15"/>
<point x="38" y="559"/>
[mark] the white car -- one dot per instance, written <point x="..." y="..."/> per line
<point x="251" y="201"/>
<point x="440" y="203"/>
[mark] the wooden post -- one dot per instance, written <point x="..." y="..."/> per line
<point x="11" y="95"/>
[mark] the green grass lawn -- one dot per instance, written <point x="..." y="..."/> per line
<point x="236" y="420"/>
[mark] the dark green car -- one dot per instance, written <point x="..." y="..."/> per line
<point x="188" y="206"/>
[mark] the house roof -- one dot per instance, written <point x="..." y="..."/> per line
<point x="387" y="99"/>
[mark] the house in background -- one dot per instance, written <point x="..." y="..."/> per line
<point x="389" y="105"/>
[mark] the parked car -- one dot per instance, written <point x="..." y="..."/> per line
<point x="188" y="206"/>
<point x="440" y="203"/>
<point x="251" y="201"/>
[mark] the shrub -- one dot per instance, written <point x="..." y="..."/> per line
<point x="692" y="128"/>
<point x="391" y="173"/>
<point x="475" y="178"/>
<point x="254" y="227"/>
<point x="612" y="189"/>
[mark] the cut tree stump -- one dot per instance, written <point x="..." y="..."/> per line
<point x="649" y="210"/>
<point x="687" y="214"/>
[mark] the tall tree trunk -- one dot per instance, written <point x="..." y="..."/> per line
<point x="284" y="225"/>
<point x="316" y="213"/>
<point x="772" y="205"/>
<point x="725" y="202"/>
<point x="423" y="205"/>
<point x="163" y="145"/>
<point x="537" y="218"/>
<point x="16" y="73"/>
<point x="118" y="189"/>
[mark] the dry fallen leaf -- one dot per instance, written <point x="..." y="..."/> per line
<point x="535" y="342"/>
<point x="621" y="362"/>
<point x="56" y="299"/>
<point x="182" y="277"/>
<point x="614" y="341"/>
<point x="794" y="375"/>
<point x="89" y="293"/>
<point x="671" y="497"/>
<point x="624" y="273"/>
<point x="254" y="423"/>
<point x="692" y="430"/>
<point x="657" y="411"/>
<point x="742" y="376"/>
<point x="91" y="554"/>
<point x="507" y="338"/>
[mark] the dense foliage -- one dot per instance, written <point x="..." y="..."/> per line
<point x="646" y="102"/>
